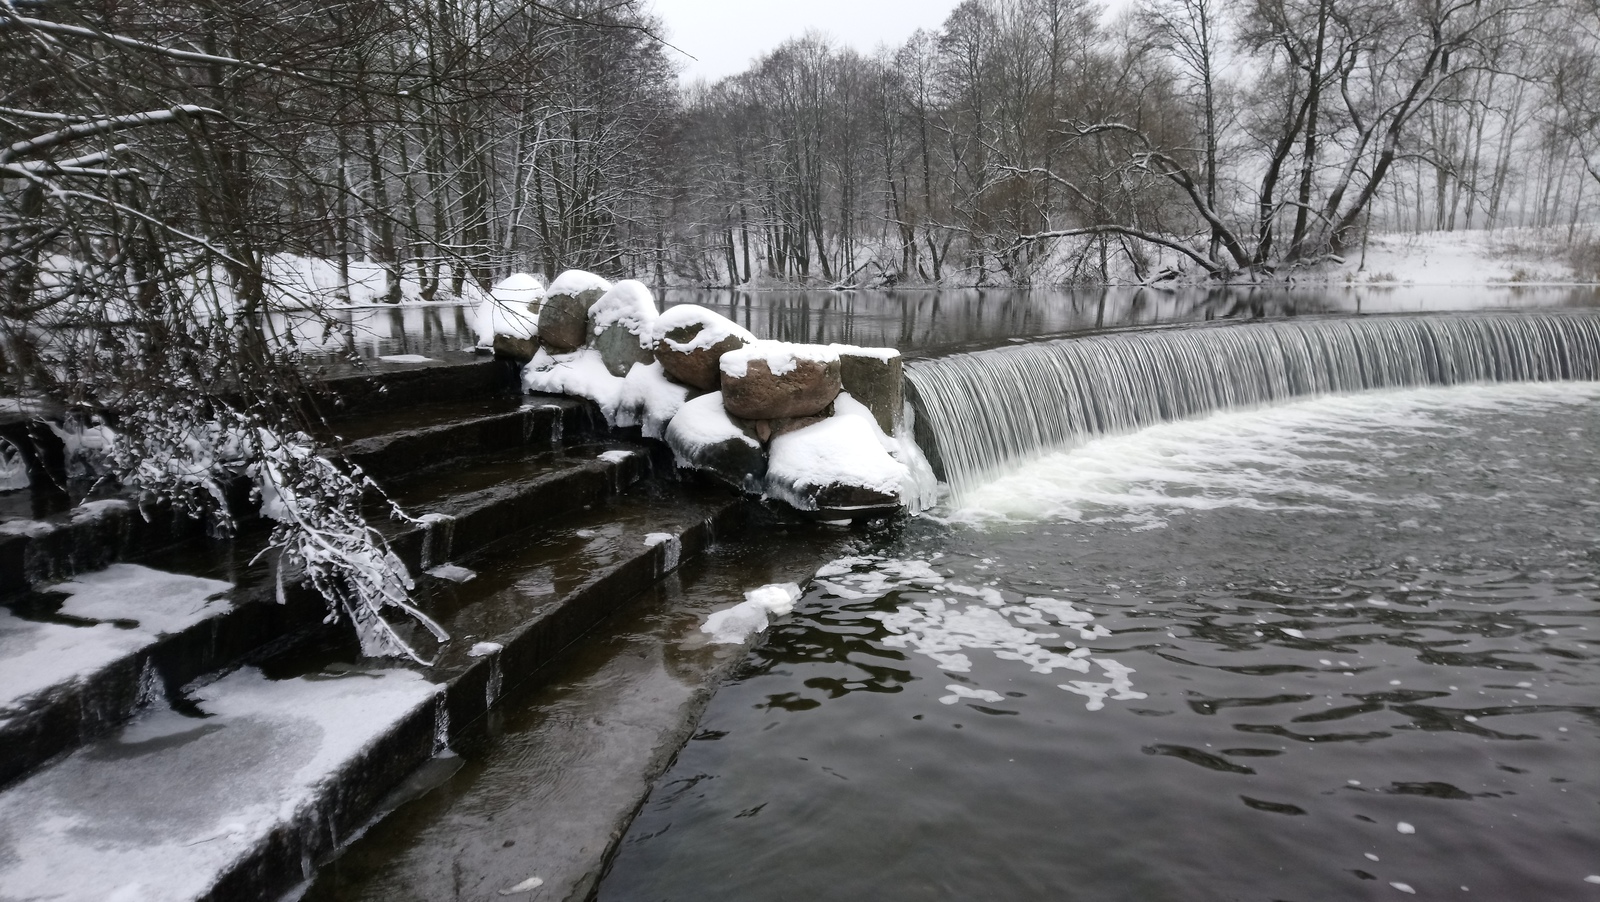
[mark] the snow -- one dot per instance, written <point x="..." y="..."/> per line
<point x="628" y="304"/>
<point x="484" y="649"/>
<point x="413" y="358"/>
<point x="736" y="624"/>
<point x="314" y="282"/>
<point x="500" y="318"/>
<point x="263" y="760"/>
<point x="649" y="399"/>
<point x="714" y="327"/>
<point x="843" y="449"/>
<point x="781" y="357"/>
<point x="526" y="886"/>
<point x="35" y="656"/>
<point x="882" y="355"/>
<point x="581" y="373"/>
<point x="616" y="457"/>
<point x="453" y="573"/>
<point x="701" y="422"/>
<point x="1472" y="257"/>
<point x="576" y="281"/>
<point x="519" y="288"/>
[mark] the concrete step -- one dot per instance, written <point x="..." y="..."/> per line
<point x="398" y="445"/>
<point x="71" y="672"/>
<point x="547" y="785"/>
<point x="262" y="772"/>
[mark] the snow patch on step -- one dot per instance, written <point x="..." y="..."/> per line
<point x="162" y="809"/>
<point x="35" y="656"/>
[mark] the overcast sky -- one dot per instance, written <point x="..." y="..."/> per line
<point x="726" y="35"/>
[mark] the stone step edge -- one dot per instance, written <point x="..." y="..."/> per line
<point x="541" y="423"/>
<point x="319" y="829"/>
<point x="116" y="529"/>
<point x="68" y="715"/>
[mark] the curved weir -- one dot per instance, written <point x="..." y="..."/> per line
<point x="981" y="411"/>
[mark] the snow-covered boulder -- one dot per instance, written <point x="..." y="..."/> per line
<point x="837" y="469"/>
<point x="580" y="373"/>
<point x="494" y="317"/>
<point x="650" y="400"/>
<point x="690" y="341"/>
<point x="515" y="349"/>
<point x="775" y="380"/>
<point x="703" y="438"/>
<point x="622" y="324"/>
<point x="876" y="378"/>
<point x="564" y="320"/>
<point x="520" y="288"/>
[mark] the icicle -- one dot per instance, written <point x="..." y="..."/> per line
<point x="441" y="723"/>
<point x="491" y="689"/>
<point x="438" y="538"/>
<point x="152" y="691"/>
<point x="672" y="552"/>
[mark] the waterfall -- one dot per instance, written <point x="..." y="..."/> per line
<point x="981" y="411"/>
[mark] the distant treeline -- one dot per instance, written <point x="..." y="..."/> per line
<point x="1024" y="141"/>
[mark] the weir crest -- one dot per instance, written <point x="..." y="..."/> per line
<point x="979" y="412"/>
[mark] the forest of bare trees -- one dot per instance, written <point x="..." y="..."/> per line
<point x="1022" y="142"/>
<point x="1036" y="141"/>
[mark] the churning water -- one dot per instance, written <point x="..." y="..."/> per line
<point x="1344" y="647"/>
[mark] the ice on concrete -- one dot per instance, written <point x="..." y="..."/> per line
<point x="453" y="573"/>
<point x="736" y="624"/>
<point x="780" y="357"/>
<point x="160" y="810"/>
<point x="714" y="327"/>
<point x="35" y="656"/>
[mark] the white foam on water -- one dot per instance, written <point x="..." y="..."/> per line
<point x="948" y="620"/>
<point x="1291" y="457"/>
<point x="959" y="692"/>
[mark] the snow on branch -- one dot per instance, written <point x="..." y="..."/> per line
<point x="107" y="125"/>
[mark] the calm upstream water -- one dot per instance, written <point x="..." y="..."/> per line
<point x="1340" y="648"/>
<point x="927" y="321"/>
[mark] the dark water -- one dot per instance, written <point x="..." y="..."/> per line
<point x="1339" y="649"/>
<point x="925" y="320"/>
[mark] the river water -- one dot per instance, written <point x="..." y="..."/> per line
<point x="924" y="321"/>
<point x="1340" y="648"/>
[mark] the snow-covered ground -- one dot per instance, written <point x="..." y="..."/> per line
<point x="1469" y="257"/>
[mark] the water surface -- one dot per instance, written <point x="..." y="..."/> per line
<point x="921" y="320"/>
<point x="1339" y="649"/>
